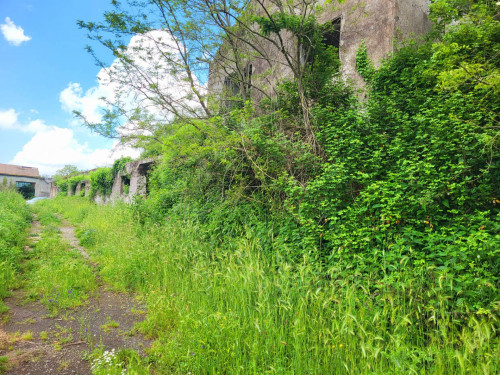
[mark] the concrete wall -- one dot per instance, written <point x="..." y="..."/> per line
<point x="412" y="18"/>
<point x="127" y="184"/>
<point x="379" y="23"/>
<point x="43" y="187"/>
<point x="82" y="186"/>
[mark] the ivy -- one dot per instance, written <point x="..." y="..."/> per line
<point x="364" y="65"/>
<point x="101" y="181"/>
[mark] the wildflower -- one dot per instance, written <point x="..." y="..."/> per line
<point x="191" y="353"/>
<point x="341" y="345"/>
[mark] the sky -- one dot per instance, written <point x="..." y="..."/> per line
<point x="45" y="74"/>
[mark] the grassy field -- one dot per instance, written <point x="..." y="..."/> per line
<point x="231" y="310"/>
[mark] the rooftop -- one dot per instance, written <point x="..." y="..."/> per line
<point x="18" y="170"/>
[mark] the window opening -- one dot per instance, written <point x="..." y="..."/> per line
<point x="27" y="189"/>
<point x="126" y="184"/>
<point x="331" y="37"/>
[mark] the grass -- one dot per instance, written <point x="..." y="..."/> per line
<point x="232" y="310"/>
<point x="57" y="275"/>
<point x="15" y="218"/>
<point x="27" y="336"/>
<point x="110" y="324"/>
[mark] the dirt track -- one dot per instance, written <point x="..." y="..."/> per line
<point x="35" y="343"/>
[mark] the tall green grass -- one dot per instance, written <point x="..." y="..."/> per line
<point x="14" y="220"/>
<point x="230" y="310"/>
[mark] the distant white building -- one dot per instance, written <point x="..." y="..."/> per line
<point x="20" y="176"/>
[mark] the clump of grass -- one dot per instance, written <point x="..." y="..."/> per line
<point x="3" y="364"/>
<point x="27" y="336"/>
<point x="110" y="324"/>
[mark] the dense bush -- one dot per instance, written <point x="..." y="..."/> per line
<point x="101" y="181"/>
<point x="405" y="185"/>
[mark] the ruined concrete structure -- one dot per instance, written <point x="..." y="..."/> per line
<point x="19" y="176"/>
<point x="380" y="24"/>
<point x="132" y="181"/>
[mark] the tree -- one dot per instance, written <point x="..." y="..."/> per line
<point x="158" y="77"/>
<point x="67" y="171"/>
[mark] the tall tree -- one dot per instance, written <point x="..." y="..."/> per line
<point x="161" y="75"/>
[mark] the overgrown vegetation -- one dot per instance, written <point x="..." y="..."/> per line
<point x="56" y="275"/>
<point x="314" y="233"/>
<point x="15" y="217"/>
<point x="101" y="179"/>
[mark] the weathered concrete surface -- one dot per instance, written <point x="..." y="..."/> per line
<point x="83" y="186"/>
<point x="138" y="171"/>
<point x="130" y="182"/>
<point x="380" y="24"/>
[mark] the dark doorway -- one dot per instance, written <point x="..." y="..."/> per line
<point x="27" y="189"/>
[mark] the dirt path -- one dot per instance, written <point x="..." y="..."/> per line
<point x="35" y="343"/>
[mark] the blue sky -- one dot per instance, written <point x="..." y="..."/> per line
<point x="45" y="73"/>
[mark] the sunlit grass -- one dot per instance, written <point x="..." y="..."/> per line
<point x="232" y="310"/>
<point x="57" y="275"/>
<point x="15" y="218"/>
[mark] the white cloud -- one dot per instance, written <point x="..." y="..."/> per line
<point x="9" y="120"/>
<point x="12" y="33"/>
<point x="88" y="104"/>
<point x="53" y="147"/>
<point x="136" y="87"/>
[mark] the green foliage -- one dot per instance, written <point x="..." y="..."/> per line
<point x="411" y="182"/>
<point x="27" y="191"/>
<point x="364" y="65"/>
<point x="14" y="219"/>
<point x="231" y="309"/>
<point x="66" y="171"/>
<point x="119" y="165"/>
<point x="69" y="183"/>
<point x="101" y="182"/>
<point x="384" y="239"/>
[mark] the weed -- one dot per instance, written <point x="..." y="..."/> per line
<point x="27" y="336"/>
<point x="109" y="325"/>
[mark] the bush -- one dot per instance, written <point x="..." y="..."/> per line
<point x="101" y="181"/>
